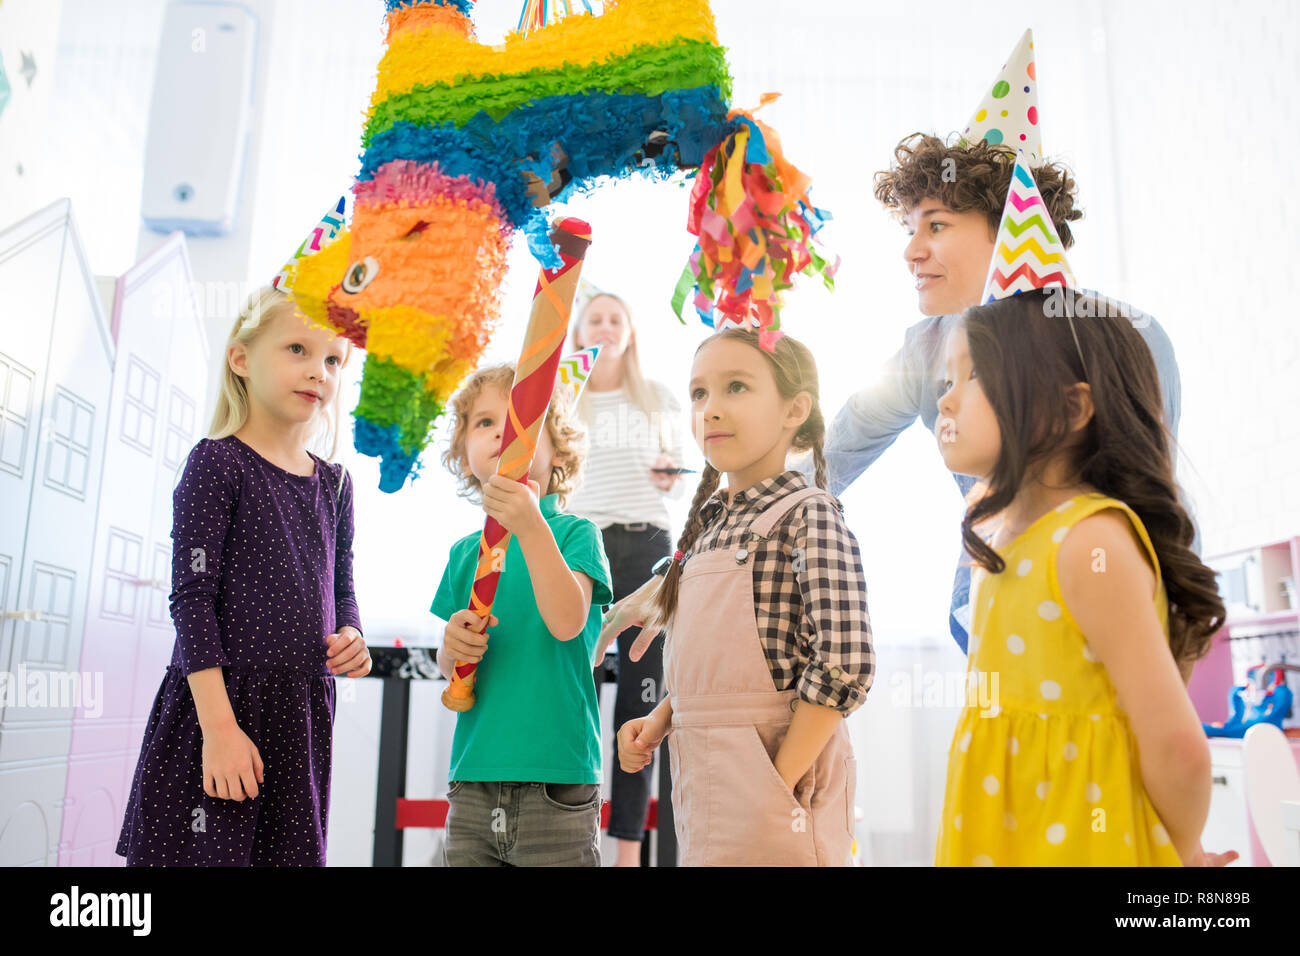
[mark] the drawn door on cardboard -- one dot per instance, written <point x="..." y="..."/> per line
<point x="56" y="358"/>
<point x="159" y="384"/>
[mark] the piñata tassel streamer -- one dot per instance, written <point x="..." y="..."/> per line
<point x="756" y="228"/>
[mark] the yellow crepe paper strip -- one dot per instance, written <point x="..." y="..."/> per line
<point x="317" y="274"/>
<point x="430" y="56"/>
<point x="408" y="337"/>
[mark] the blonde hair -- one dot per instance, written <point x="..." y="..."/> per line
<point x="231" y="413"/>
<point x="634" y="381"/>
<point x="568" y="436"/>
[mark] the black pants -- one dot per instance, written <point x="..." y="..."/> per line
<point x="632" y="553"/>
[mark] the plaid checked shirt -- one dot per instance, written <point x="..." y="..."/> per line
<point x="813" y="622"/>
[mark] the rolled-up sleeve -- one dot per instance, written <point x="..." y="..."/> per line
<point x="345" y="598"/>
<point x="203" y="507"/>
<point x="835" y="627"/>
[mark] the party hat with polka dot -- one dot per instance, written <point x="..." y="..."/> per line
<point x="1008" y="114"/>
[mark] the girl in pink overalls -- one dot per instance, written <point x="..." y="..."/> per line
<point x="768" y="646"/>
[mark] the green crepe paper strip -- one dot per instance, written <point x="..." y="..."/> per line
<point x="384" y="387"/>
<point x="650" y="70"/>
<point x="387" y="390"/>
<point x="684" y="283"/>
<point x="819" y="264"/>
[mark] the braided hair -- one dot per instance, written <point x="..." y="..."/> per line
<point x="794" y="371"/>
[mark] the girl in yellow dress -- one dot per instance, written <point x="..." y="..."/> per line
<point x="1078" y="745"/>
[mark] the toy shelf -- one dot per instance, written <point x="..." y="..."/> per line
<point x="1259" y="590"/>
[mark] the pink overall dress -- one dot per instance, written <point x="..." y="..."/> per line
<point x="730" y="806"/>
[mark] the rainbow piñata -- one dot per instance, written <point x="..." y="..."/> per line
<point x="466" y="143"/>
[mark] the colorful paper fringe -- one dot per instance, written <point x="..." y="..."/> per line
<point x="756" y="229"/>
<point x="538" y="13"/>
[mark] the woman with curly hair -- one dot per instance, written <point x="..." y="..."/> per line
<point x="949" y="198"/>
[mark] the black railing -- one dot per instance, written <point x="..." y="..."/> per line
<point x="397" y="667"/>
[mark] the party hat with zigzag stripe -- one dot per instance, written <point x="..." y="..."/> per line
<point x="575" y="369"/>
<point x="331" y="225"/>
<point x="1028" y="253"/>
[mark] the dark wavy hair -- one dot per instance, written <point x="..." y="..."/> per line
<point x="795" y="371"/>
<point x="970" y="176"/>
<point x="1026" y="359"/>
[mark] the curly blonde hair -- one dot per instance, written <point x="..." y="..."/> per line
<point x="568" y="435"/>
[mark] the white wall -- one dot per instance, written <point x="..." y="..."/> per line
<point x="1205" y="135"/>
<point x="29" y="33"/>
<point x="1179" y="119"/>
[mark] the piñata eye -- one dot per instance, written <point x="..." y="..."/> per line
<point x="360" y="274"/>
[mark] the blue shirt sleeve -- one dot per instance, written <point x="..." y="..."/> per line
<point x="584" y="550"/>
<point x="1171" y="384"/>
<point x="1162" y="350"/>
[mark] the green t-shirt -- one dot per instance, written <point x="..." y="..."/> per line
<point x="535" y="717"/>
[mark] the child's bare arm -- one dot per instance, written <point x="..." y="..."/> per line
<point x="232" y="767"/>
<point x="445" y="661"/>
<point x="638" y="738"/>
<point x="563" y="595"/>
<point x="211" y="702"/>
<point x="810" y="728"/>
<point x="1108" y="584"/>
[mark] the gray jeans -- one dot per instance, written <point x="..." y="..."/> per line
<point x="492" y="823"/>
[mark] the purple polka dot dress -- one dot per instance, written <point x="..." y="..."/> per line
<point x="261" y="574"/>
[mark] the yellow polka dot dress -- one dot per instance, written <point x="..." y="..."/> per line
<point x="1043" y="768"/>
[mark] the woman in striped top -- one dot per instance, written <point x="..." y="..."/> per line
<point x="632" y="426"/>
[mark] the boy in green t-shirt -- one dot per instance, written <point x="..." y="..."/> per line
<point x="525" y="760"/>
